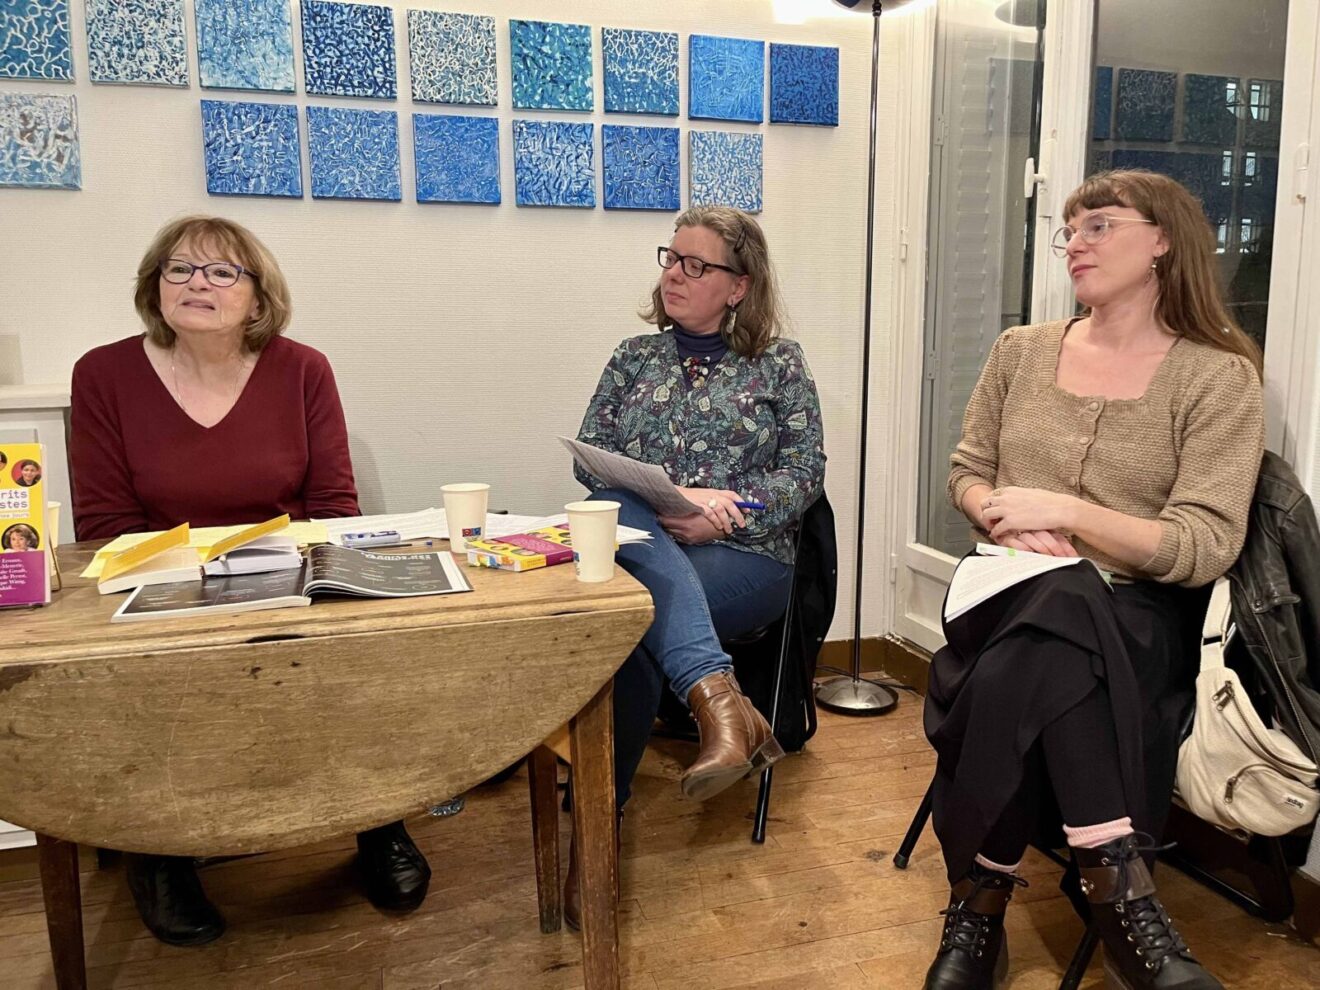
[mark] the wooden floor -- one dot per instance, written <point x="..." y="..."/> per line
<point x="819" y="905"/>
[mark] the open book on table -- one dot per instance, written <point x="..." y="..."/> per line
<point x="992" y="569"/>
<point x="328" y="570"/>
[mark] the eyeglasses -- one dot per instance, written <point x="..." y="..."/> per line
<point x="692" y="267"/>
<point x="221" y="274"/>
<point x="1093" y="230"/>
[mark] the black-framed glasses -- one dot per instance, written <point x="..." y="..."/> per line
<point x="692" y="267"/>
<point x="1093" y="230"/>
<point x="221" y="274"/>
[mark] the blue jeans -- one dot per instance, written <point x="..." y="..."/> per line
<point x="702" y="594"/>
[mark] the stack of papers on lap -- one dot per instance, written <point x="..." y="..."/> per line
<point x="647" y="480"/>
<point x="992" y="569"/>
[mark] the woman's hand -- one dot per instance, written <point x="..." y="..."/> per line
<point x="1013" y="511"/>
<point x="1040" y="541"/>
<point x="692" y="530"/>
<point x="718" y="506"/>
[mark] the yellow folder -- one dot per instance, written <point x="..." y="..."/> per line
<point x="136" y="556"/>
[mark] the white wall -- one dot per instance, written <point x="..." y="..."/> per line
<point x="428" y="312"/>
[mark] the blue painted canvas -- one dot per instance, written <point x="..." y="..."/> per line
<point x="804" y="85"/>
<point x="1099" y="161"/>
<point x="1210" y="109"/>
<point x="245" y="44"/>
<point x="354" y="153"/>
<point x="1102" y="103"/>
<point x="348" y="49"/>
<point x="457" y="158"/>
<point x="251" y="149"/>
<point x="641" y="167"/>
<point x="34" y="40"/>
<point x="1200" y="173"/>
<point x="39" y="141"/>
<point x="1145" y="104"/>
<point x="452" y="57"/>
<point x="641" y="71"/>
<point x="137" y="41"/>
<point x="726" y="79"/>
<point x="551" y="66"/>
<point x="554" y="163"/>
<point x="724" y="169"/>
<point x="1262" y="113"/>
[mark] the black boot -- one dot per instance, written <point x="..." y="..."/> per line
<point x="1143" y="951"/>
<point x="973" y="952"/>
<point x="394" y="871"/>
<point x="171" y="901"/>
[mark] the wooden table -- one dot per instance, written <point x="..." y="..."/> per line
<point x="247" y="733"/>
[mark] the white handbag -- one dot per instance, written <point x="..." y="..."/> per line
<point x="1233" y="771"/>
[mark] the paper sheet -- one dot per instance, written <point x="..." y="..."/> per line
<point x="431" y="524"/>
<point x="995" y="569"/>
<point x="647" y="480"/>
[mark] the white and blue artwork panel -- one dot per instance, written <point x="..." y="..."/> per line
<point x="39" y="141"/>
<point x="34" y="40"/>
<point x="1145" y="105"/>
<point x="554" y="163"/>
<point x="137" y="42"/>
<point x="354" y="153"/>
<point x="726" y="79"/>
<point x="348" y="49"/>
<point x="245" y="44"/>
<point x="452" y="58"/>
<point x="724" y="169"/>
<point x="251" y="149"/>
<point x="551" y="66"/>
<point x="641" y="167"/>
<point x="457" y="158"/>
<point x="641" y="71"/>
<point x="804" y="85"/>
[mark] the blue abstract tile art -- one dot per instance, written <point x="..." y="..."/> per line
<point x="1099" y="161"/>
<point x="551" y="65"/>
<point x="726" y="79"/>
<point x="1145" y="104"/>
<point x="553" y="163"/>
<point x="39" y="141"/>
<point x="137" y="41"/>
<point x="34" y="40"/>
<point x="452" y="58"/>
<point x="1210" y="109"/>
<point x="348" y="49"/>
<point x="354" y="153"/>
<point x="1263" y="111"/>
<point x="1102" y="103"/>
<point x="251" y="149"/>
<point x="724" y="169"/>
<point x="245" y="44"/>
<point x="641" y="167"/>
<point x="457" y="158"/>
<point x="1201" y="173"/>
<point x="641" y="71"/>
<point x="804" y="85"/>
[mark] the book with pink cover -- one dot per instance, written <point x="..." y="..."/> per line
<point x="523" y="551"/>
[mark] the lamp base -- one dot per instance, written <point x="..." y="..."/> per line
<point x="855" y="696"/>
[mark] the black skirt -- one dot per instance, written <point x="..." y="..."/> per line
<point x="1017" y="662"/>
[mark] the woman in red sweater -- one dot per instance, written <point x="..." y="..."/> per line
<point x="212" y="417"/>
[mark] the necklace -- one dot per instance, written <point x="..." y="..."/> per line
<point x="178" y="395"/>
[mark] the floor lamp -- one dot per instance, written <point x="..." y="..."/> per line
<point x="853" y="694"/>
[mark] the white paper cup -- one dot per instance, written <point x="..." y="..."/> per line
<point x="465" y="512"/>
<point x="593" y="527"/>
<point x="52" y="525"/>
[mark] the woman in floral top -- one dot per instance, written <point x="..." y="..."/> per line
<point x="729" y="410"/>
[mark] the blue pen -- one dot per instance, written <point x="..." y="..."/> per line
<point x="750" y="505"/>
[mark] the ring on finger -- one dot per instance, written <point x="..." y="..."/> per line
<point x="713" y="503"/>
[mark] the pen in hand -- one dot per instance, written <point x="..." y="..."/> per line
<point x="750" y="505"/>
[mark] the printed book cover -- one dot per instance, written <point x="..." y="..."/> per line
<point x="523" y="551"/>
<point x="24" y="563"/>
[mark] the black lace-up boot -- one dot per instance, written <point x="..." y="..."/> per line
<point x="973" y="952"/>
<point x="1143" y="951"/>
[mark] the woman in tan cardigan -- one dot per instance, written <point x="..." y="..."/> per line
<point x="1132" y="436"/>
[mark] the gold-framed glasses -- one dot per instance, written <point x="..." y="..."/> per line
<point x="1093" y="230"/>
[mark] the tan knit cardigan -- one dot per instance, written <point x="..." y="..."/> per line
<point x="1186" y="453"/>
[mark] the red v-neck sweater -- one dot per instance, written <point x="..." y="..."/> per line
<point x="140" y="463"/>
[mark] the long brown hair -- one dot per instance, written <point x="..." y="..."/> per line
<point x="1191" y="300"/>
<point x="758" y="320"/>
<point x="235" y="243"/>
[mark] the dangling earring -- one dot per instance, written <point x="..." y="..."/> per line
<point x="733" y="320"/>
<point x="1154" y="271"/>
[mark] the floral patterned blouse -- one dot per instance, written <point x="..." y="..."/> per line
<point x="750" y="425"/>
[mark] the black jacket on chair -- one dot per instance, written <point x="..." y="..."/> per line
<point x="815" y="587"/>
<point x="1276" y="605"/>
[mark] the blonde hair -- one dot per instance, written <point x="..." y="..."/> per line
<point x="758" y="321"/>
<point x="233" y="242"/>
<point x="1191" y="301"/>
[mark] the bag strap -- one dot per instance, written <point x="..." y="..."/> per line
<point x="1218" y="629"/>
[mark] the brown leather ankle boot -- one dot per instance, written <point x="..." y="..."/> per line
<point x="1143" y="951"/>
<point x="572" y="894"/>
<point x="735" y="738"/>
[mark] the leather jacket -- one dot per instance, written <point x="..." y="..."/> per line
<point x="1276" y="605"/>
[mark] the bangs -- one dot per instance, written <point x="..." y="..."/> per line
<point x="1097" y="192"/>
<point x="216" y="240"/>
